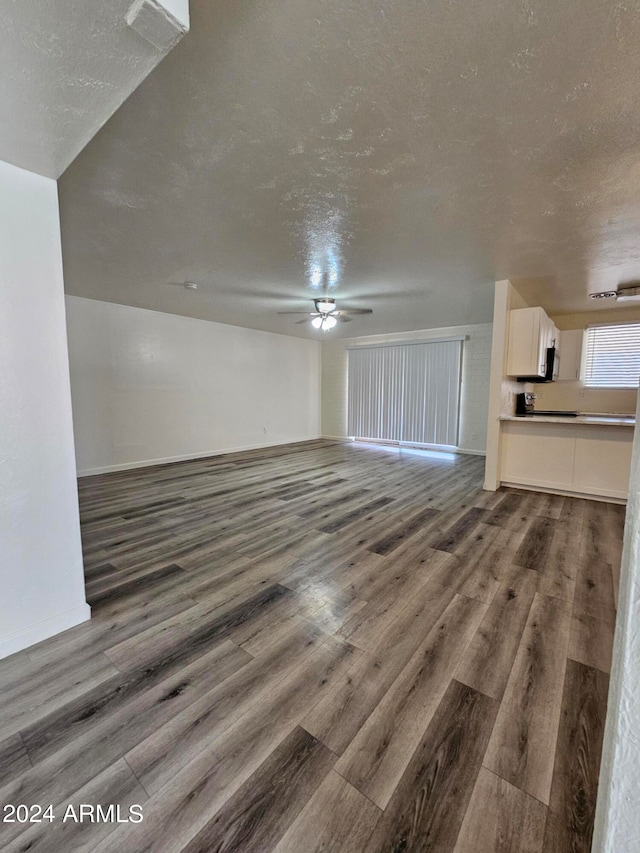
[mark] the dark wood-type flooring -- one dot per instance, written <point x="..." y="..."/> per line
<point x="322" y="646"/>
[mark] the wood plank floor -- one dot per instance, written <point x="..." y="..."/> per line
<point x="321" y="647"/>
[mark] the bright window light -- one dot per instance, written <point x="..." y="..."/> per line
<point x="612" y="358"/>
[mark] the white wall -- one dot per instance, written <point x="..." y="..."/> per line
<point x="41" y="576"/>
<point x="179" y="9"/>
<point x="475" y="380"/>
<point x="617" y="823"/>
<point x="149" y="387"/>
<point x="502" y="388"/>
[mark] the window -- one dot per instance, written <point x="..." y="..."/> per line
<point x="406" y="392"/>
<point x="612" y="358"/>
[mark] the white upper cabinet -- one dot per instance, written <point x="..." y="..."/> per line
<point x="571" y="341"/>
<point x="531" y="333"/>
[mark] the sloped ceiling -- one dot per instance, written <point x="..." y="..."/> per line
<point x="398" y="155"/>
<point x="65" y="67"/>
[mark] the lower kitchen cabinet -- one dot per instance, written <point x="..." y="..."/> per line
<point x="602" y="460"/>
<point x="538" y="454"/>
<point x="569" y="457"/>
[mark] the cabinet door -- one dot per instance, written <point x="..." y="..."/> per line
<point x="603" y="460"/>
<point x="526" y="354"/>
<point x="537" y="454"/>
<point x="547" y="339"/>
<point x="570" y="354"/>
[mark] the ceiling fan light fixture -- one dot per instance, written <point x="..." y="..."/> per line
<point x="326" y="315"/>
<point x="325" y="306"/>
<point x="325" y="322"/>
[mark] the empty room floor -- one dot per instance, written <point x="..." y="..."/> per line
<point x="324" y="646"/>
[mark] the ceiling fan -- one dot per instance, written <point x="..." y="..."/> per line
<point x="327" y="315"/>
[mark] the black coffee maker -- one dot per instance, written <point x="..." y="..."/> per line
<point x="524" y="404"/>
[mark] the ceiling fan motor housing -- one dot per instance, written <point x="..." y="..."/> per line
<point x="325" y="305"/>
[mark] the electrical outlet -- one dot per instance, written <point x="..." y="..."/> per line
<point x="264" y="430"/>
<point x="473" y="435"/>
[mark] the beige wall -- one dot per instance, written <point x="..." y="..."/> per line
<point x="475" y="380"/>
<point x="572" y="394"/>
<point x="630" y="314"/>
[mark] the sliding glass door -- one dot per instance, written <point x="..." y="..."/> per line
<point x="406" y="392"/>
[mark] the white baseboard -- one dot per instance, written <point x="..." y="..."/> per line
<point x="165" y="460"/>
<point x="471" y="452"/>
<point x="43" y="630"/>
<point x="336" y="438"/>
<point x="605" y="496"/>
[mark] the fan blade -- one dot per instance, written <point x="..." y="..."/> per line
<point x="343" y="311"/>
<point x="187" y="285"/>
<point x="345" y="319"/>
<point x="308" y="313"/>
<point x="300" y="322"/>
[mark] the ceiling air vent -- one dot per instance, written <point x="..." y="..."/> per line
<point x="622" y="294"/>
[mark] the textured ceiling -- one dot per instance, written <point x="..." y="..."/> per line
<point x="406" y="153"/>
<point x="65" y="67"/>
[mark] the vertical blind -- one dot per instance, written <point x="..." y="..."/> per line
<point x="613" y="356"/>
<point x="406" y="392"/>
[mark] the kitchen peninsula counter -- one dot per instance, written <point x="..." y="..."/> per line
<point x="584" y="456"/>
<point x="589" y="419"/>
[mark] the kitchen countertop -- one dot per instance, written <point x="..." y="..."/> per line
<point x="589" y="419"/>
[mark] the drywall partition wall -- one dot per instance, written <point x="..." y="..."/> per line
<point x="502" y="388"/>
<point x="41" y="576"/>
<point x="473" y="393"/>
<point x="617" y="821"/>
<point x="149" y="387"/>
